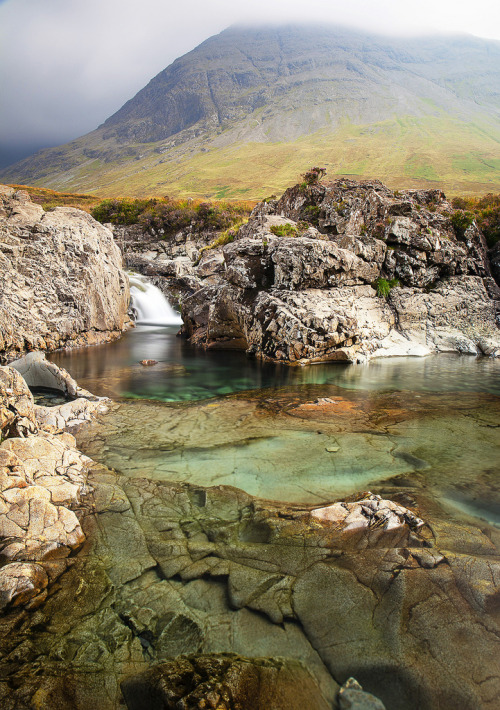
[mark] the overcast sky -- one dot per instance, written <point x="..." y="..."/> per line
<point x="66" y="65"/>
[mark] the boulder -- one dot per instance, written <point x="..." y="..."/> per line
<point x="61" y="278"/>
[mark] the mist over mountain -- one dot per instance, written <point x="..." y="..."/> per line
<point x="250" y="108"/>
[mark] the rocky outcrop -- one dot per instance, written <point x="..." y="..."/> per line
<point x="43" y="479"/>
<point x="380" y="273"/>
<point x="61" y="278"/>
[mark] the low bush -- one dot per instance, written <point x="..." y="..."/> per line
<point x="485" y="210"/>
<point x="384" y="286"/>
<point x="313" y="175"/>
<point x="165" y="216"/>
<point x="461" y="222"/>
<point x="225" y="237"/>
<point x="284" y="230"/>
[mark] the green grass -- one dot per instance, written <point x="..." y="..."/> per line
<point x="404" y="152"/>
<point x="384" y="287"/>
<point x="284" y="230"/>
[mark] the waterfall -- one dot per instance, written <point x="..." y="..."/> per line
<point x="150" y="304"/>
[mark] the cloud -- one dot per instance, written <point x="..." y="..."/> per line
<point x="66" y="65"/>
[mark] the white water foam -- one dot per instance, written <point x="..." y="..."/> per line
<point x="150" y="304"/>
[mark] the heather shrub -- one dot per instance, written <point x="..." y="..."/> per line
<point x="485" y="210"/>
<point x="165" y="216"/>
<point x="314" y="175"/>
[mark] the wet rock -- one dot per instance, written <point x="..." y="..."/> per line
<point x="70" y="414"/>
<point x="22" y="582"/>
<point x="62" y="278"/>
<point x="225" y="682"/>
<point x="17" y="408"/>
<point x="370" y="521"/>
<point x="352" y="697"/>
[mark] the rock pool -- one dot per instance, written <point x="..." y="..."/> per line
<point x="201" y="540"/>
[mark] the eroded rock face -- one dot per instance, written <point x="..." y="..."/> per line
<point x="43" y="478"/>
<point x="38" y="372"/>
<point x="61" y="278"/>
<point x="313" y="296"/>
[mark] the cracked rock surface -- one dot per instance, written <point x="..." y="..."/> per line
<point x="43" y="479"/>
<point x="61" y="278"/>
<point x="176" y="569"/>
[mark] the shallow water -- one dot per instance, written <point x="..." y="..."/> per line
<point x="171" y="569"/>
<point x="221" y="418"/>
<point x="184" y="373"/>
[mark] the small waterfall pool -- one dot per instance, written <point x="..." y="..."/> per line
<point x="150" y="304"/>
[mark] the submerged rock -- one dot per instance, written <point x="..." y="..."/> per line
<point x="224" y="682"/>
<point x="352" y="697"/>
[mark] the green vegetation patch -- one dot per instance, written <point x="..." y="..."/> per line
<point x="284" y="230"/>
<point x="384" y="286"/>
<point x="166" y="216"/>
<point x="420" y="167"/>
<point x="225" y="237"/>
<point x="485" y="210"/>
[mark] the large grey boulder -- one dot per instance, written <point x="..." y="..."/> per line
<point x="61" y="278"/>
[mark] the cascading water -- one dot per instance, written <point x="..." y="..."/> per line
<point x="150" y="304"/>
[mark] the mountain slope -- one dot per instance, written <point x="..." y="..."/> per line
<point x="251" y="107"/>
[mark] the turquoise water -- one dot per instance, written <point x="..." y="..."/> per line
<point x="184" y="373"/>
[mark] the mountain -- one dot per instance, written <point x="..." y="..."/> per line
<point x="249" y="109"/>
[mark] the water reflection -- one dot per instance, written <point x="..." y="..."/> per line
<point x="187" y="373"/>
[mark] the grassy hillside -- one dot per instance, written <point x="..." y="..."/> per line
<point x="51" y="198"/>
<point x="404" y="153"/>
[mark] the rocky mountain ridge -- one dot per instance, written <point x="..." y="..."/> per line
<point x="244" y="111"/>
